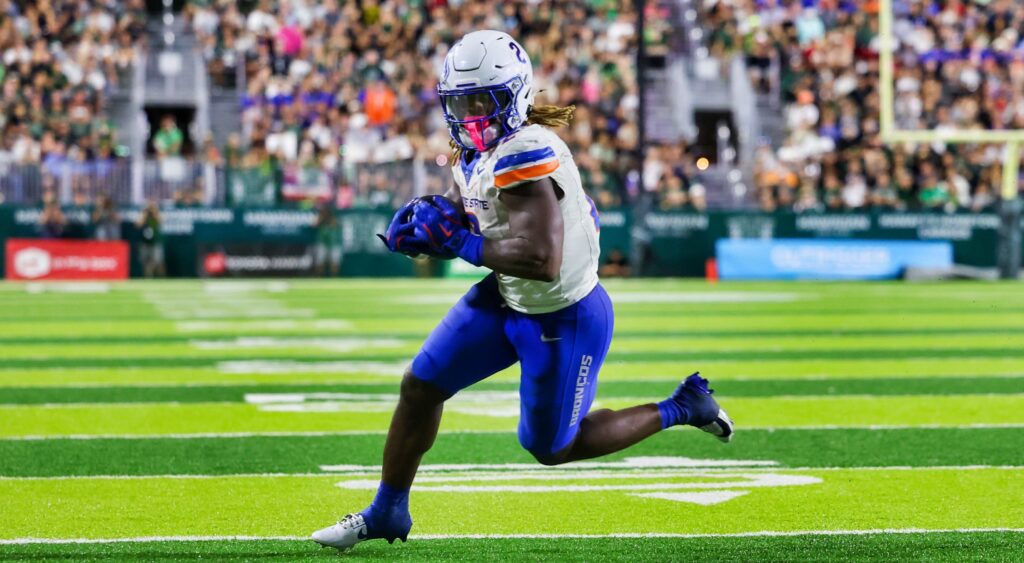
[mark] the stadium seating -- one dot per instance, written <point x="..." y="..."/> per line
<point x="959" y="66"/>
<point x="330" y="113"/>
<point x="314" y="86"/>
<point x="61" y="58"/>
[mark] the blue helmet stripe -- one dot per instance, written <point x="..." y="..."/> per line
<point x="523" y="158"/>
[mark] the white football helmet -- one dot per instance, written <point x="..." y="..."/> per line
<point x="486" y="88"/>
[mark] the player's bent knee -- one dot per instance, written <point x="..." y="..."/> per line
<point x="549" y="459"/>
<point x="544" y="454"/>
<point x="415" y="390"/>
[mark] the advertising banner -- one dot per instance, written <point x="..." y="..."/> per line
<point x="255" y="260"/>
<point x="827" y="259"/>
<point x="36" y="259"/>
<point x="670" y="243"/>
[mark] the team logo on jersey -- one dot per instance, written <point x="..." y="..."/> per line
<point x="474" y="203"/>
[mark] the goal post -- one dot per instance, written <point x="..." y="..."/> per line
<point x="1013" y="140"/>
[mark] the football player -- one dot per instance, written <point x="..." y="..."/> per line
<point x="518" y="208"/>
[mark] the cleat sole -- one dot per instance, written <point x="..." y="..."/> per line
<point x="727" y="423"/>
<point x="722" y="423"/>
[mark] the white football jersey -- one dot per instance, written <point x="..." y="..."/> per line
<point x="531" y="153"/>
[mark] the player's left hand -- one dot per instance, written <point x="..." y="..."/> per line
<point x="439" y="225"/>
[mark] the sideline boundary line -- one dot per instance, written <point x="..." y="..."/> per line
<point x="764" y="533"/>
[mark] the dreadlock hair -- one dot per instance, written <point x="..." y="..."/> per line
<point x="547" y="115"/>
<point x="550" y="116"/>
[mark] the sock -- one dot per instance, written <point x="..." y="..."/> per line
<point x="387" y="517"/>
<point x="390" y="500"/>
<point x="672" y="413"/>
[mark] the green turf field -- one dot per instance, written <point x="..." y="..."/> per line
<point x="228" y="420"/>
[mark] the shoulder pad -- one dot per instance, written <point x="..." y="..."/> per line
<point x="527" y="155"/>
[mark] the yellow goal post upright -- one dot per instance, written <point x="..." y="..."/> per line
<point x="1013" y="140"/>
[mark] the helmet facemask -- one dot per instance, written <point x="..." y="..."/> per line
<point x="480" y="117"/>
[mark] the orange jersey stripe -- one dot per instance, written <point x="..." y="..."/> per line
<point x="528" y="173"/>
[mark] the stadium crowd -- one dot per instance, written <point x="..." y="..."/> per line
<point x="960" y="65"/>
<point x="360" y="109"/>
<point x="59" y="59"/>
<point x="350" y="83"/>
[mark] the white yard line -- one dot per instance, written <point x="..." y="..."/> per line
<point x="222" y="301"/>
<point x="256" y="325"/>
<point x="288" y="367"/>
<point x="980" y="425"/>
<point x="339" y="344"/>
<point x="74" y="287"/>
<point x="627" y="463"/>
<point x="838" y="396"/>
<point x="647" y="297"/>
<point x="525" y="475"/>
<point x="763" y="533"/>
<point x="170" y="476"/>
<point x="201" y="435"/>
<point x="198" y="435"/>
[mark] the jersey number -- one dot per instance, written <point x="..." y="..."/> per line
<point x="519" y="53"/>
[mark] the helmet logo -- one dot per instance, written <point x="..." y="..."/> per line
<point x="519" y="53"/>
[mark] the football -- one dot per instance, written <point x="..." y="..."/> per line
<point x="450" y="209"/>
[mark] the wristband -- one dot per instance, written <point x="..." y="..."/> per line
<point x="471" y="249"/>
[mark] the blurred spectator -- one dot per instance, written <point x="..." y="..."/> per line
<point x="667" y="172"/>
<point x="327" y="252"/>
<point x="52" y="221"/>
<point x="151" y="242"/>
<point x="697" y="197"/>
<point x="106" y="221"/>
<point x="80" y="197"/>
<point x="616" y="266"/>
<point x="379" y="101"/>
<point x="167" y="141"/>
<point x="188" y="198"/>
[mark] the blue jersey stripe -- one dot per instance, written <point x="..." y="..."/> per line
<point x="523" y="158"/>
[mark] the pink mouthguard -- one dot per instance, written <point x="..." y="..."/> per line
<point x="476" y="131"/>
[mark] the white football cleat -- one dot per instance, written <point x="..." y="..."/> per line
<point x="721" y="427"/>
<point x="352" y="529"/>
<point x="343" y="535"/>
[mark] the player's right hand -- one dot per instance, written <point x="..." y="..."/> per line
<point x="400" y="236"/>
<point x="440" y="227"/>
